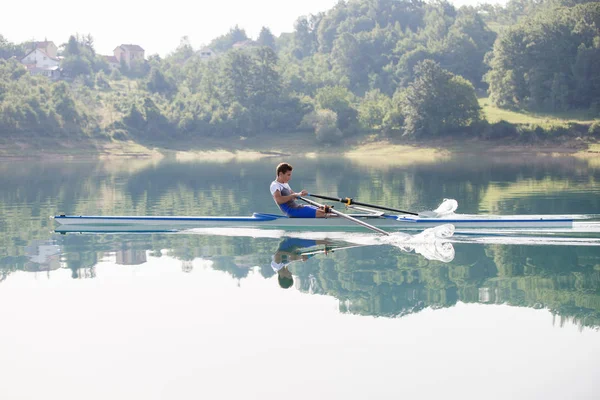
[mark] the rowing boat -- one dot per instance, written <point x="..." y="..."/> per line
<point x="274" y="221"/>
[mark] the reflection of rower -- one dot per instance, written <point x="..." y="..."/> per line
<point x="289" y="250"/>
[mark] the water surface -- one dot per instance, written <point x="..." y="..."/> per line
<point x="202" y="314"/>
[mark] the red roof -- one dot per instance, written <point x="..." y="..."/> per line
<point x="43" y="52"/>
<point x="131" y="47"/>
<point x="42" y="44"/>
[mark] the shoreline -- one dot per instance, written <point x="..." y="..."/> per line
<point x="366" y="150"/>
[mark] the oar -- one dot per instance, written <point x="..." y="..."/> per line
<point x="339" y="214"/>
<point x="348" y="201"/>
<point x="331" y="250"/>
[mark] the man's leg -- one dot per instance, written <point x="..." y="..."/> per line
<point x="323" y="212"/>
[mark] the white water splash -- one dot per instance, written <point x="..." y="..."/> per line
<point x="432" y="243"/>
<point x="446" y="208"/>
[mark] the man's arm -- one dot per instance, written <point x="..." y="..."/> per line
<point x="279" y="199"/>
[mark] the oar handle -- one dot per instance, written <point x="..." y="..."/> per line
<point x="349" y="201"/>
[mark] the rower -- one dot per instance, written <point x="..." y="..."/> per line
<point x="285" y="197"/>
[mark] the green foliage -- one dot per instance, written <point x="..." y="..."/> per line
<point x="594" y="129"/>
<point x="498" y="130"/>
<point x="226" y="42"/>
<point x="135" y="119"/>
<point x="373" y="110"/>
<point x="266" y="38"/>
<point x="324" y="122"/>
<point x="438" y="102"/>
<point x="102" y="81"/>
<point x="548" y="61"/>
<point x="305" y="36"/>
<point x="64" y="104"/>
<point x="76" y="65"/>
<point x="34" y="105"/>
<point x="9" y="49"/>
<point x="388" y="66"/>
<point x="158" y="83"/>
<point x="465" y="46"/>
<point x="80" y="58"/>
<point x="348" y="62"/>
<point x="340" y="100"/>
<point x="115" y="75"/>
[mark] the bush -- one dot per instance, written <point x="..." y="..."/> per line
<point x="115" y="75"/>
<point x="120" y="134"/>
<point x="529" y="133"/>
<point x="101" y="81"/>
<point x="324" y="122"/>
<point x="557" y="130"/>
<point x="594" y="129"/>
<point x="500" y="129"/>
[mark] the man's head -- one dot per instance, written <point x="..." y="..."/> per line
<point x="284" y="169"/>
<point x="285" y="278"/>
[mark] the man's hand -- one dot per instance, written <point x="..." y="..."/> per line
<point x="302" y="193"/>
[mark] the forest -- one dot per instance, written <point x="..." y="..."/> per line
<point x="394" y="68"/>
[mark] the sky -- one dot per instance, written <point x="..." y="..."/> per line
<point x="156" y="26"/>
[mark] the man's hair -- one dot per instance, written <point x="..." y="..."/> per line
<point x="285" y="282"/>
<point x="283" y="168"/>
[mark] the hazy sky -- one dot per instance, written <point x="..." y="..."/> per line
<point x="156" y="26"/>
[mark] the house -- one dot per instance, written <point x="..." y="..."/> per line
<point x="245" y="44"/>
<point x="43" y="255"/>
<point x="53" y="73"/>
<point x="206" y="53"/>
<point x="129" y="53"/>
<point x="42" y="59"/>
<point x="47" y="46"/>
<point x="112" y="61"/>
<point x="128" y="256"/>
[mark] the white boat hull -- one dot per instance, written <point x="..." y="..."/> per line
<point x="258" y="220"/>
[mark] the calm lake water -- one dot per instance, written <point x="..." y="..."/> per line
<point x="201" y="314"/>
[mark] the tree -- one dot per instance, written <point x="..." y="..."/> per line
<point x="266" y="38"/>
<point x="183" y="52"/>
<point x="339" y="100"/>
<point x="72" y="47"/>
<point x="468" y="40"/>
<point x="348" y="61"/>
<point x="305" y="39"/>
<point x="225" y="42"/>
<point x="236" y="77"/>
<point x="158" y="83"/>
<point x="324" y="122"/>
<point x="545" y="53"/>
<point x="438" y="102"/>
<point x="373" y="109"/>
<point x="76" y="65"/>
<point x="8" y="49"/>
<point x="134" y="118"/>
<point x="64" y="104"/>
<point x="265" y="85"/>
<point x="586" y="75"/>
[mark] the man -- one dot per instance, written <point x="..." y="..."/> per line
<point x="285" y="197"/>
<point x="289" y="250"/>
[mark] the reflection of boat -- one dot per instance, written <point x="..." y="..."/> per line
<point x="260" y="220"/>
<point x="432" y="243"/>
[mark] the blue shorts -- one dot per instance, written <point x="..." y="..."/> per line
<point x="300" y="212"/>
<point x="293" y="244"/>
